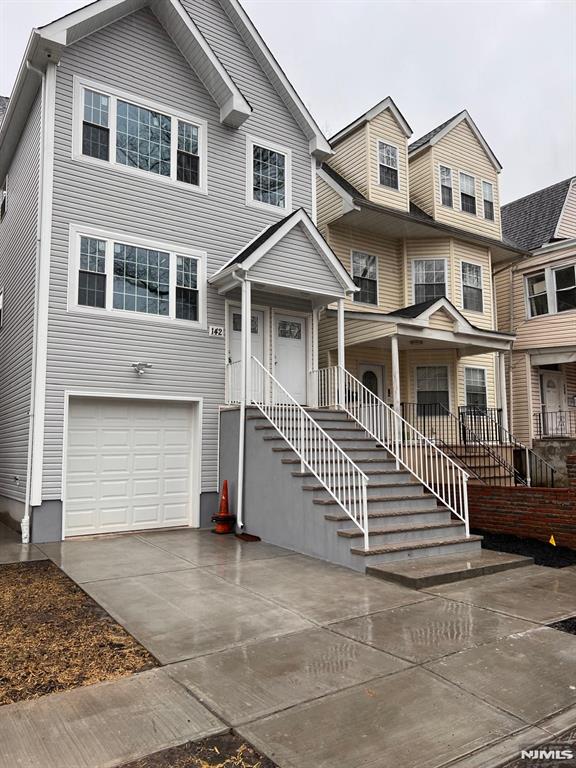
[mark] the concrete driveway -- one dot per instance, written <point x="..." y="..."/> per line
<point x="316" y="665"/>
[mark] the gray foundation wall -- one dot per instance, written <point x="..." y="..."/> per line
<point x="555" y="452"/>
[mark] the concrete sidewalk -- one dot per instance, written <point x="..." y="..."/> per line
<point x="316" y="665"/>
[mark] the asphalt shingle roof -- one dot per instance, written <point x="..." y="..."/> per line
<point x="531" y="221"/>
<point x="3" y="107"/>
<point x="430" y="135"/>
<point x="259" y="240"/>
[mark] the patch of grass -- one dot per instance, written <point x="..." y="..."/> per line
<point x="225" y="751"/>
<point x="54" y="637"/>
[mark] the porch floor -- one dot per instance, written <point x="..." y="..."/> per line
<point x="312" y="663"/>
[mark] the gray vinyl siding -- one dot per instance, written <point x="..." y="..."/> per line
<point x="18" y="232"/>
<point x="295" y="262"/>
<point x="92" y="351"/>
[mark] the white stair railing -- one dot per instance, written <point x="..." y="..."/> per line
<point x="419" y="455"/>
<point x="234" y="382"/>
<point x="318" y="453"/>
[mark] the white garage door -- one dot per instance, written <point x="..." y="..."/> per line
<point x="128" y="465"/>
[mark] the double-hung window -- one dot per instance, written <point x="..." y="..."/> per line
<point x="488" y="200"/>
<point x="268" y="175"/>
<point x="125" y="275"/>
<point x="565" y="288"/>
<point x="475" y="384"/>
<point x="130" y="133"/>
<point x="446" y="186"/>
<point x="388" y="165"/>
<point x="472" y="287"/>
<point x="429" y="279"/>
<point x="365" y="275"/>
<point x="468" y="193"/>
<point x="432" y="391"/>
<point x="537" y="294"/>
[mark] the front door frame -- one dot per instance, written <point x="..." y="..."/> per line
<point x="308" y="317"/>
<point x="560" y="376"/>
<point x="382" y="377"/>
<point x="229" y="306"/>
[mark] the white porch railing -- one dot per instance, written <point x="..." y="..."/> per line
<point x="233" y="382"/>
<point x="318" y="453"/>
<point x="336" y="387"/>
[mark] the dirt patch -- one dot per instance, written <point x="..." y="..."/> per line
<point x="227" y="751"/>
<point x="542" y="552"/>
<point x="54" y="637"/>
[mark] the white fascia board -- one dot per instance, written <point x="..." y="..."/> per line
<point x="551" y="357"/>
<point x="471" y="338"/>
<point x="571" y="191"/>
<point x="347" y="199"/>
<point x="319" y="146"/>
<point x="376" y="110"/>
<point x="452" y="124"/>
<point x="85" y="21"/>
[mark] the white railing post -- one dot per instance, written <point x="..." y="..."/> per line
<point x="341" y="353"/>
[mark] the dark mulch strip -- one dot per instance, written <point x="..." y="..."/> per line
<point x="542" y="552"/>
<point x="226" y="751"/>
<point x="566" y="625"/>
<point x="565" y="740"/>
<point x="54" y="637"/>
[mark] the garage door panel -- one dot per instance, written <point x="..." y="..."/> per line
<point x="128" y="465"/>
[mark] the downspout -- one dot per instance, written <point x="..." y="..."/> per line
<point x="242" y="424"/>
<point x="25" y="524"/>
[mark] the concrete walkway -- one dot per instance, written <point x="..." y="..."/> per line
<point x="314" y="664"/>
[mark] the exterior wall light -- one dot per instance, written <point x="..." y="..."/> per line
<point x="140" y="367"/>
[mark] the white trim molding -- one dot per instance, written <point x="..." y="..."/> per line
<point x="114" y="95"/>
<point x="78" y="231"/>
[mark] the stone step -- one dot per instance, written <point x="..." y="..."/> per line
<point x="419" y="549"/>
<point x="383" y="476"/>
<point x="379" y="490"/>
<point x="393" y="518"/>
<point x="422" y="573"/>
<point x="336" y="433"/>
<point x="366" y="465"/>
<point x="354" y="453"/>
<point x="383" y="503"/>
<point x="358" y="441"/>
<point x="407" y="533"/>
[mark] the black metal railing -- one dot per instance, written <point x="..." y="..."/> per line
<point x="455" y="435"/>
<point x="483" y="421"/>
<point x="555" y="423"/>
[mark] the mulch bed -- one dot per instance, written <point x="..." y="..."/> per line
<point x="542" y="552"/>
<point x="226" y="751"/>
<point x="54" y="637"/>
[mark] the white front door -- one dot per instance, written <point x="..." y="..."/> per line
<point x="372" y="376"/>
<point x="290" y="350"/>
<point x="554" y="402"/>
<point x="235" y="348"/>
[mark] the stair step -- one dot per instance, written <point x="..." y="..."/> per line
<point x="414" y="545"/>
<point x="376" y="490"/>
<point x="341" y="517"/>
<point x="359" y="439"/>
<point x="346" y="427"/>
<point x="407" y="483"/>
<point x="375" y="473"/>
<point x="426" y="572"/>
<point x="356" y="533"/>
<point x="381" y="499"/>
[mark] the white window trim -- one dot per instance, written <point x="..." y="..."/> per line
<point x="81" y="83"/>
<point x="365" y="303"/>
<point x="449" y="168"/>
<point x="446" y="275"/>
<point x="4" y="192"/>
<point x="491" y="184"/>
<point x="251" y="142"/>
<point x="550" y="290"/>
<point x="472" y="176"/>
<point x="77" y="231"/>
<point x="481" y="266"/>
<point x="397" y="169"/>
<point x="449" y="371"/>
<point x="477" y="368"/>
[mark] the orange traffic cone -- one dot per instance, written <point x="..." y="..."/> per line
<point x="225" y="522"/>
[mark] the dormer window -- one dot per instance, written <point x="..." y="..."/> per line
<point x="488" y="197"/>
<point x="429" y="279"/>
<point x="468" y="193"/>
<point x="388" y="165"/>
<point x="446" y="186"/>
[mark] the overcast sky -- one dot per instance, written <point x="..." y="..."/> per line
<point x="511" y="64"/>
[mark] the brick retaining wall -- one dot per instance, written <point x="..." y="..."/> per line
<point x="536" y="513"/>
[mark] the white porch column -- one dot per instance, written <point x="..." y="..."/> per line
<point x="341" y="353"/>
<point x="245" y="395"/>
<point x="395" y="373"/>
<point x="247" y="336"/>
<point x="314" y="374"/>
<point x="502" y="389"/>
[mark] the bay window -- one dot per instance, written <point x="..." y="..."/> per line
<point x="565" y="288"/>
<point x="537" y="294"/>
<point x="133" y="134"/>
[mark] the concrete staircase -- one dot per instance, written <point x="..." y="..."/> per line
<point x="406" y="521"/>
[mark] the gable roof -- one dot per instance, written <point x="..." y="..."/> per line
<point x="425" y="309"/>
<point x="47" y="43"/>
<point x="531" y="221"/>
<point x="387" y="103"/>
<point x="434" y="136"/>
<point x="270" y="236"/>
